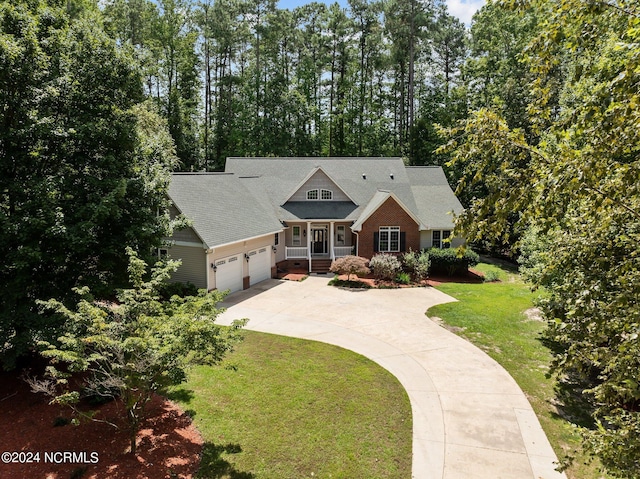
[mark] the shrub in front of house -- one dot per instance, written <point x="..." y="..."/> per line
<point x="350" y="265"/>
<point x="343" y="283"/>
<point x="403" y="278"/>
<point x="385" y="266"/>
<point x="167" y="290"/>
<point x="452" y="261"/>
<point x="416" y="264"/>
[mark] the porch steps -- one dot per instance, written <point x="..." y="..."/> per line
<point x="320" y="265"/>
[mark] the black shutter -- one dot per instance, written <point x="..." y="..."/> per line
<point x="403" y="241"/>
<point x="376" y="238"/>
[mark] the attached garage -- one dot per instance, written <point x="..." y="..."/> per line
<point x="228" y="273"/>
<point x="259" y="265"/>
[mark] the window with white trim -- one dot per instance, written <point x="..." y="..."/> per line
<point x="340" y="235"/>
<point x="296" y="235"/>
<point x="276" y="239"/>
<point x="389" y="239"/>
<point x="326" y="195"/>
<point x="312" y="194"/>
<point x="440" y="239"/>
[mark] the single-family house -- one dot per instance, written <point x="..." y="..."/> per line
<point x="265" y="214"/>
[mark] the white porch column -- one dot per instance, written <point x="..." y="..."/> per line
<point x="331" y="252"/>
<point x="309" y="244"/>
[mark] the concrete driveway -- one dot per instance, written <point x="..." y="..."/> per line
<point x="470" y="418"/>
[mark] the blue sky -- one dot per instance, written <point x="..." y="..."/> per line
<point x="463" y="9"/>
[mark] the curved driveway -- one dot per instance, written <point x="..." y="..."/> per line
<point x="470" y="418"/>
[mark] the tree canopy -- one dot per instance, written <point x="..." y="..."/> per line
<point x="84" y="163"/>
<point x="568" y="179"/>
<point x="134" y="348"/>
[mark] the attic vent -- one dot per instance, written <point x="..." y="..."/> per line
<point x="391" y="176"/>
<point x="364" y="176"/>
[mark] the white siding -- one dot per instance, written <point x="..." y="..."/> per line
<point x="426" y="240"/>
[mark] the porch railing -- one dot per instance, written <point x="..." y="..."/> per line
<point x="292" y="252"/>
<point x="301" y="252"/>
<point x="340" y="251"/>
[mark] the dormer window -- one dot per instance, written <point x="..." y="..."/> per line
<point x="321" y="194"/>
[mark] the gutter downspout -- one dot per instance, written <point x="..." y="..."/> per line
<point x="357" y="251"/>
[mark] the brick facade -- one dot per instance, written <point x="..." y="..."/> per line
<point x="390" y="213"/>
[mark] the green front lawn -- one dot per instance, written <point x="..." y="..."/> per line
<point x="288" y="408"/>
<point x="498" y="318"/>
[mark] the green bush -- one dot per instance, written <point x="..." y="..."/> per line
<point x="491" y="276"/>
<point x="385" y="266"/>
<point x="403" y="278"/>
<point x="343" y="283"/>
<point x="167" y="290"/>
<point x="416" y="264"/>
<point x="452" y="261"/>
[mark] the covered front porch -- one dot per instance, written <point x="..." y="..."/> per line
<point x="319" y="243"/>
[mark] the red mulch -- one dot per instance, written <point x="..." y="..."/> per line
<point x="168" y="445"/>
<point x="472" y="276"/>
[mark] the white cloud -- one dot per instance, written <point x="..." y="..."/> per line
<point x="464" y="9"/>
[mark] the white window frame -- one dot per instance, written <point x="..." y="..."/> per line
<point x="296" y="237"/>
<point x="326" y="195"/>
<point x="389" y="235"/>
<point x="440" y="242"/>
<point x="313" y="195"/>
<point x="340" y="235"/>
<point x="446" y="241"/>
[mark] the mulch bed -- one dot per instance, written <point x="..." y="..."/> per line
<point x="168" y="445"/>
<point x="472" y="276"/>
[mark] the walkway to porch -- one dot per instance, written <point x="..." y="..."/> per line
<point x="317" y="263"/>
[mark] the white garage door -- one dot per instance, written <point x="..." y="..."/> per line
<point x="259" y="265"/>
<point x="229" y="273"/>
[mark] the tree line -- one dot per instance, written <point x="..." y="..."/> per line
<point x="245" y="78"/>
<point x="538" y="105"/>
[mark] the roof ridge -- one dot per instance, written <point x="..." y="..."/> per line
<point x="202" y="173"/>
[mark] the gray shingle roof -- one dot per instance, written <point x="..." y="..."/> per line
<point x="222" y="208"/>
<point x="250" y="199"/>
<point x="360" y="178"/>
<point x="434" y="197"/>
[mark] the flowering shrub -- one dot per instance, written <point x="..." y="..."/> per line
<point x="385" y="266"/>
<point x="350" y="265"/>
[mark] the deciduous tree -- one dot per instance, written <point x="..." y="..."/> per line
<point x="576" y="181"/>
<point x="134" y="348"/>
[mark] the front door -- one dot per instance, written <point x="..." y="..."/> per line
<point x="319" y="241"/>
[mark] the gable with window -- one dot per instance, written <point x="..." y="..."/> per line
<point x="389" y="239"/>
<point x="319" y="194"/>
